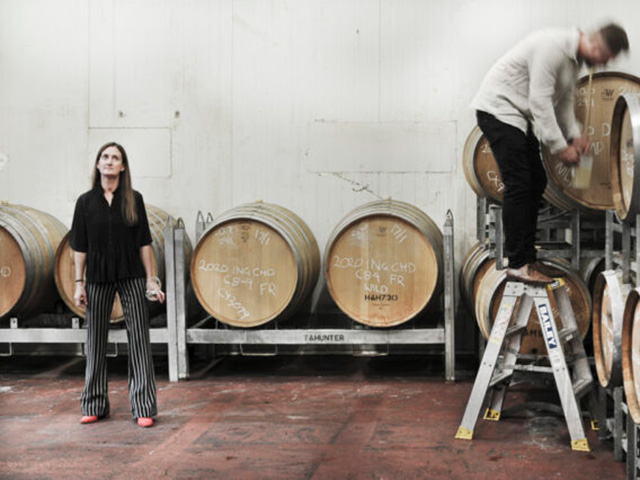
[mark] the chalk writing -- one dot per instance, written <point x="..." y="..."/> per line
<point x="346" y="262"/>
<point x="237" y="281"/>
<point x="269" y="287"/>
<point x="262" y="236"/>
<point x="224" y="235"/>
<point x="244" y="270"/>
<point x="233" y="303"/>
<point x="486" y="148"/>
<point x="212" y="267"/>
<point x="372" y="287"/>
<point x="627" y="89"/>
<point x="5" y="271"/>
<point x="495" y="180"/>
<point x="563" y="172"/>
<point x="399" y="233"/>
<point x="627" y="162"/>
<point x="360" y="232"/>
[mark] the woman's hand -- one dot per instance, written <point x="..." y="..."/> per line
<point x="80" y="295"/>
<point x="154" y="291"/>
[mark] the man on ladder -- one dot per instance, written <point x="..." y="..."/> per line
<point x="534" y="82"/>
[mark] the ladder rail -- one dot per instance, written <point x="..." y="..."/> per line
<point x="495" y="370"/>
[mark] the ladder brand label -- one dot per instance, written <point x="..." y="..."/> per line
<point x="545" y="320"/>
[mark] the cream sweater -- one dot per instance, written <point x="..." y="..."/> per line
<point x="535" y="80"/>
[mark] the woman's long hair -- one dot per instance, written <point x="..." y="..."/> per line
<point x="129" y="213"/>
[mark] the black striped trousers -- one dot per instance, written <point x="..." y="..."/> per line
<point x="142" y="384"/>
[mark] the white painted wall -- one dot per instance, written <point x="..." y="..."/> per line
<point x="222" y="102"/>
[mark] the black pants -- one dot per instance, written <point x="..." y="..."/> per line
<point x="142" y="384"/>
<point x="524" y="178"/>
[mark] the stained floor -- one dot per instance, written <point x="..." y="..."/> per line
<point x="284" y="417"/>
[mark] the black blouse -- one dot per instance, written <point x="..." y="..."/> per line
<point x="112" y="247"/>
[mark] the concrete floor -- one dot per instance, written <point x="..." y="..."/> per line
<point x="280" y="417"/>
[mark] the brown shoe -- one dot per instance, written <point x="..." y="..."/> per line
<point x="548" y="270"/>
<point x="527" y="274"/>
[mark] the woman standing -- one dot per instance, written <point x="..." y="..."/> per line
<point x="110" y="236"/>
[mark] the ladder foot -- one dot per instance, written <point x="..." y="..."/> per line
<point x="493" y="415"/>
<point x="464" y="434"/>
<point x="580" y="445"/>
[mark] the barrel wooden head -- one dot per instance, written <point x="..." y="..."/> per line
<point x="625" y="156"/>
<point x="383" y="263"/>
<point x="480" y="167"/>
<point x="631" y="353"/>
<point x="489" y="296"/>
<point x="255" y="263"/>
<point x="476" y="264"/>
<point x="609" y="299"/>
<point x="28" y="241"/>
<point x="606" y="88"/>
<point x="65" y="266"/>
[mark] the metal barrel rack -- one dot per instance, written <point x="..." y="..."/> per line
<point x="622" y="250"/>
<point x="561" y="234"/>
<point x="310" y="332"/>
<point x="17" y="331"/>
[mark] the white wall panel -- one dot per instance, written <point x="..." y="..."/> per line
<point x="382" y="146"/>
<point x="256" y="99"/>
<point x="43" y="109"/>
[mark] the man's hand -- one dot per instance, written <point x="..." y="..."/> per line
<point x="569" y="156"/>
<point x="581" y="144"/>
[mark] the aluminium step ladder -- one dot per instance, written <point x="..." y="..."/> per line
<point x="498" y="364"/>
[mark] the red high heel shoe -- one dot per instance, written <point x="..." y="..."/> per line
<point x="91" y="418"/>
<point x="145" y="422"/>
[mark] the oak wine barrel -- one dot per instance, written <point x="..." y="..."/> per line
<point x="605" y="90"/>
<point x="480" y="167"/>
<point x="255" y="263"/>
<point x="489" y="294"/>
<point x="384" y="263"/>
<point x="608" y="309"/>
<point x="590" y="268"/>
<point x="28" y="242"/>
<point x="473" y="269"/>
<point x="65" y="265"/>
<point x="625" y="156"/>
<point x="631" y="353"/>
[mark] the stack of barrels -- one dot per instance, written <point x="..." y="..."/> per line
<point x="615" y="185"/>
<point x="256" y="263"/>
<point x="483" y="176"/>
<point x="383" y="264"/>
<point x="29" y="239"/>
<point x="37" y="264"/>
<point x="616" y="318"/>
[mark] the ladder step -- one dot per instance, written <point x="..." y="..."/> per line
<point x="515" y="329"/>
<point x="581" y="386"/>
<point x="532" y="368"/>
